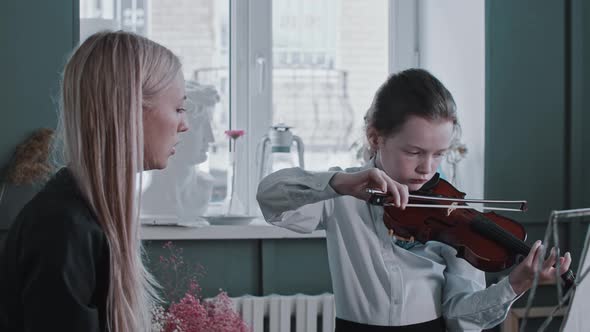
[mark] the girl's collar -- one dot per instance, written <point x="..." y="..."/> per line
<point x="370" y="164"/>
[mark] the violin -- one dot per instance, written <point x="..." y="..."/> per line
<point x="488" y="241"/>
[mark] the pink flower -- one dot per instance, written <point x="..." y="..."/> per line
<point x="191" y="313"/>
<point x="222" y="315"/>
<point x="187" y="315"/>
<point x="235" y="134"/>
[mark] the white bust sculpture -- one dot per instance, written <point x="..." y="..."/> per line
<point x="180" y="193"/>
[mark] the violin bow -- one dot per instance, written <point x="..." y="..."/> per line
<point x="379" y="197"/>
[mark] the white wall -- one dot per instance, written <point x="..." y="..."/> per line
<point x="452" y="47"/>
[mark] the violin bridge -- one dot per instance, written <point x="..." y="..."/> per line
<point x="451" y="209"/>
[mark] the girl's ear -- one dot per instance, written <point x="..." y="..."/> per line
<point x="373" y="139"/>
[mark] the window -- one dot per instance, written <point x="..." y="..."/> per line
<point x="198" y="32"/>
<point x="328" y="59"/>
<point x="313" y="65"/>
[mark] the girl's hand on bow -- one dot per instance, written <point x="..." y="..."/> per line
<point x="521" y="278"/>
<point x="355" y="184"/>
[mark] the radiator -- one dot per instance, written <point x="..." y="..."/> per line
<point x="280" y="310"/>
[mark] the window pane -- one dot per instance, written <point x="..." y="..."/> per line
<point x="198" y="32"/>
<point x="329" y="58"/>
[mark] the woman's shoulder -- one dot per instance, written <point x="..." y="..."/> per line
<point x="58" y="207"/>
<point x="52" y="227"/>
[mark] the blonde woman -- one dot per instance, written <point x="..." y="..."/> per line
<point x="72" y="259"/>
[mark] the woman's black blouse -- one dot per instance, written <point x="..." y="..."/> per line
<point x="54" y="266"/>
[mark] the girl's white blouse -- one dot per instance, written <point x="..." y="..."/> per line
<point x="375" y="281"/>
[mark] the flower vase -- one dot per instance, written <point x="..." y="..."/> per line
<point x="233" y="206"/>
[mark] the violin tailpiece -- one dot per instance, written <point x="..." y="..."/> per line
<point x="392" y="233"/>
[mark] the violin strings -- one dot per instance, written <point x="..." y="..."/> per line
<point x="496" y="232"/>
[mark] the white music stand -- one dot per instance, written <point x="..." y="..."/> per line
<point x="576" y="318"/>
<point x="579" y="295"/>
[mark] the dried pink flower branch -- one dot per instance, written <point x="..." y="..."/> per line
<point x="191" y="313"/>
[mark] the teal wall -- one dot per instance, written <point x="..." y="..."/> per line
<point x="537" y="120"/>
<point x="35" y="39"/>
<point x="256" y="267"/>
<point x="537" y="141"/>
<point x="525" y="129"/>
<point x="579" y="136"/>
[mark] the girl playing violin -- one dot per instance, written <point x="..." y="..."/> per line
<point x="380" y="282"/>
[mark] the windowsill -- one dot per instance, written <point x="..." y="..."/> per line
<point x="257" y="229"/>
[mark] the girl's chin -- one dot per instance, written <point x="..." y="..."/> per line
<point x="414" y="187"/>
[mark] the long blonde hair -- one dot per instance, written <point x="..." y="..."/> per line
<point x="107" y="83"/>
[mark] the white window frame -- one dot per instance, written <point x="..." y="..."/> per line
<point x="404" y="49"/>
<point x="250" y="76"/>
<point x="250" y="92"/>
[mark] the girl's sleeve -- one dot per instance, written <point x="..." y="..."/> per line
<point x="467" y="304"/>
<point x="296" y="199"/>
<point x="59" y="262"/>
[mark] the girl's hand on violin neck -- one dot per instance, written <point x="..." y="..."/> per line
<point x="355" y="184"/>
<point x="521" y="278"/>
